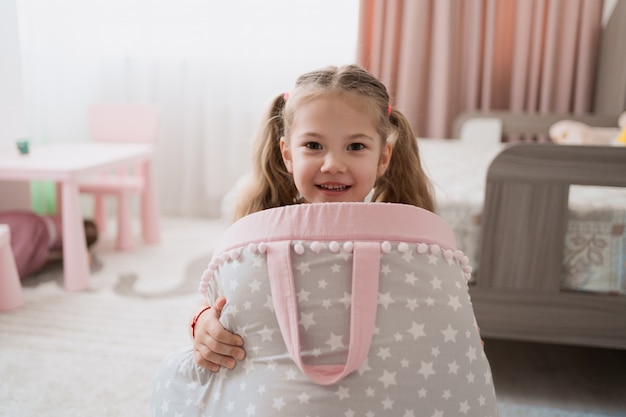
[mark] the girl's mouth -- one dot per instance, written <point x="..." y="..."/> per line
<point x="333" y="188"/>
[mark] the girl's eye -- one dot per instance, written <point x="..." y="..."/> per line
<point x="356" y="146"/>
<point x="313" y="145"/>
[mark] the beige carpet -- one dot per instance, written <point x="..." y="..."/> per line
<point x="94" y="353"/>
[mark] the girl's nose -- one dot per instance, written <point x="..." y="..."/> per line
<point x="333" y="164"/>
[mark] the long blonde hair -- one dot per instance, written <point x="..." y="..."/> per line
<point x="271" y="185"/>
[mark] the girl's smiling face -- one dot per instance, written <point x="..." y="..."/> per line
<point x="334" y="150"/>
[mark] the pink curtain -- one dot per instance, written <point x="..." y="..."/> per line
<point x="441" y="57"/>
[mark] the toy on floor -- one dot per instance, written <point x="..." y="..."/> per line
<point x="571" y="132"/>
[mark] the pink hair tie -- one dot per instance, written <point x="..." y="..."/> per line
<point x="389" y="110"/>
<point x="286" y="96"/>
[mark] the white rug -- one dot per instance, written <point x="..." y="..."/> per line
<point x="94" y="353"/>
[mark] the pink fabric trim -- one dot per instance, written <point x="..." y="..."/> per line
<point x="363" y="224"/>
<point x="365" y="276"/>
<point x="345" y="221"/>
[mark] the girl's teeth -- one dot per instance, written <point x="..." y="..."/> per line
<point x="336" y="188"/>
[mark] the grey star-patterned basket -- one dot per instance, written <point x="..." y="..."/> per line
<point x="346" y="309"/>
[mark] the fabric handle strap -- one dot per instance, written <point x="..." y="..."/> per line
<point x="365" y="276"/>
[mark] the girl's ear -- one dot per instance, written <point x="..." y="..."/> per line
<point x="385" y="157"/>
<point x="286" y="153"/>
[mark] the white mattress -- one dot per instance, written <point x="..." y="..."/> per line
<point x="595" y="243"/>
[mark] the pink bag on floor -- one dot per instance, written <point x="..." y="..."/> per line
<point x="345" y="309"/>
<point x="30" y="240"/>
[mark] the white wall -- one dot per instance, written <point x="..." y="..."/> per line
<point x="12" y="108"/>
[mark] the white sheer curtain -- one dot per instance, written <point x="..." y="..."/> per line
<point x="211" y="66"/>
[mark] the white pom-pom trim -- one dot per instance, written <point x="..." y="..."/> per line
<point x="335" y="247"/>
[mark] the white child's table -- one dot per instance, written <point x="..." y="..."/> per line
<point x="65" y="163"/>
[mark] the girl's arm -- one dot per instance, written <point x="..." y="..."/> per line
<point x="213" y="345"/>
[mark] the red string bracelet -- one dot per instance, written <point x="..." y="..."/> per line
<point x="195" y="320"/>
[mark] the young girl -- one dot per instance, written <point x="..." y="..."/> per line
<point x="333" y="138"/>
<point x="412" y="341"/>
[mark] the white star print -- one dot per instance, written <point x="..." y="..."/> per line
<point x="385" y="270"/>
<point x="306" y="320"/>
<point x="233" y="309"/>
<point x="364" y="368"/>
<point x="303" y="267"/>
<point x="454" y="302"/>
<point x="269" y="303"/>
<point x="385" y="299"/>
<point x="432" y="259"/>
<point x="257" y="261"/>
<point x="248" y="365"/>
<point x="304" y="398"/>
<point x="436" y="283"/>
<point x="346" y="300"/>
<point x="335" y="341"/>
<point x="388" y="378"/>
<point x="417" y="330"/>
<point x="407" y="256"/>
<point x="266" y="334"/>
<point x="290" y="375"/>
<point x="453" y="367"/>
<point x="412" y="304"/>
<point x="255" y="285"/>
<point x="279" y="403"/>
<point x="433" y="356"/>
<point x="303" y="295"/>
<point x="383" y="353"/>
<point x="345" y="255"/>
<point x="471" y="354"/>
<point x="165" y="406"/>
<point x="487" y="377"/>
<point x="387" y="404"/>
<point x="449" y="334"/>
<point x="426" y="369"/>
<point x="342" y="392"/>
<point x="410" y="278"/>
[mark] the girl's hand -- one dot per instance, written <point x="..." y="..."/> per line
<point x="213" y="345"/>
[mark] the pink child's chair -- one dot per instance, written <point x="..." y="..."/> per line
<point x="10" y="284"/>
<point x="123" y="123"/>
